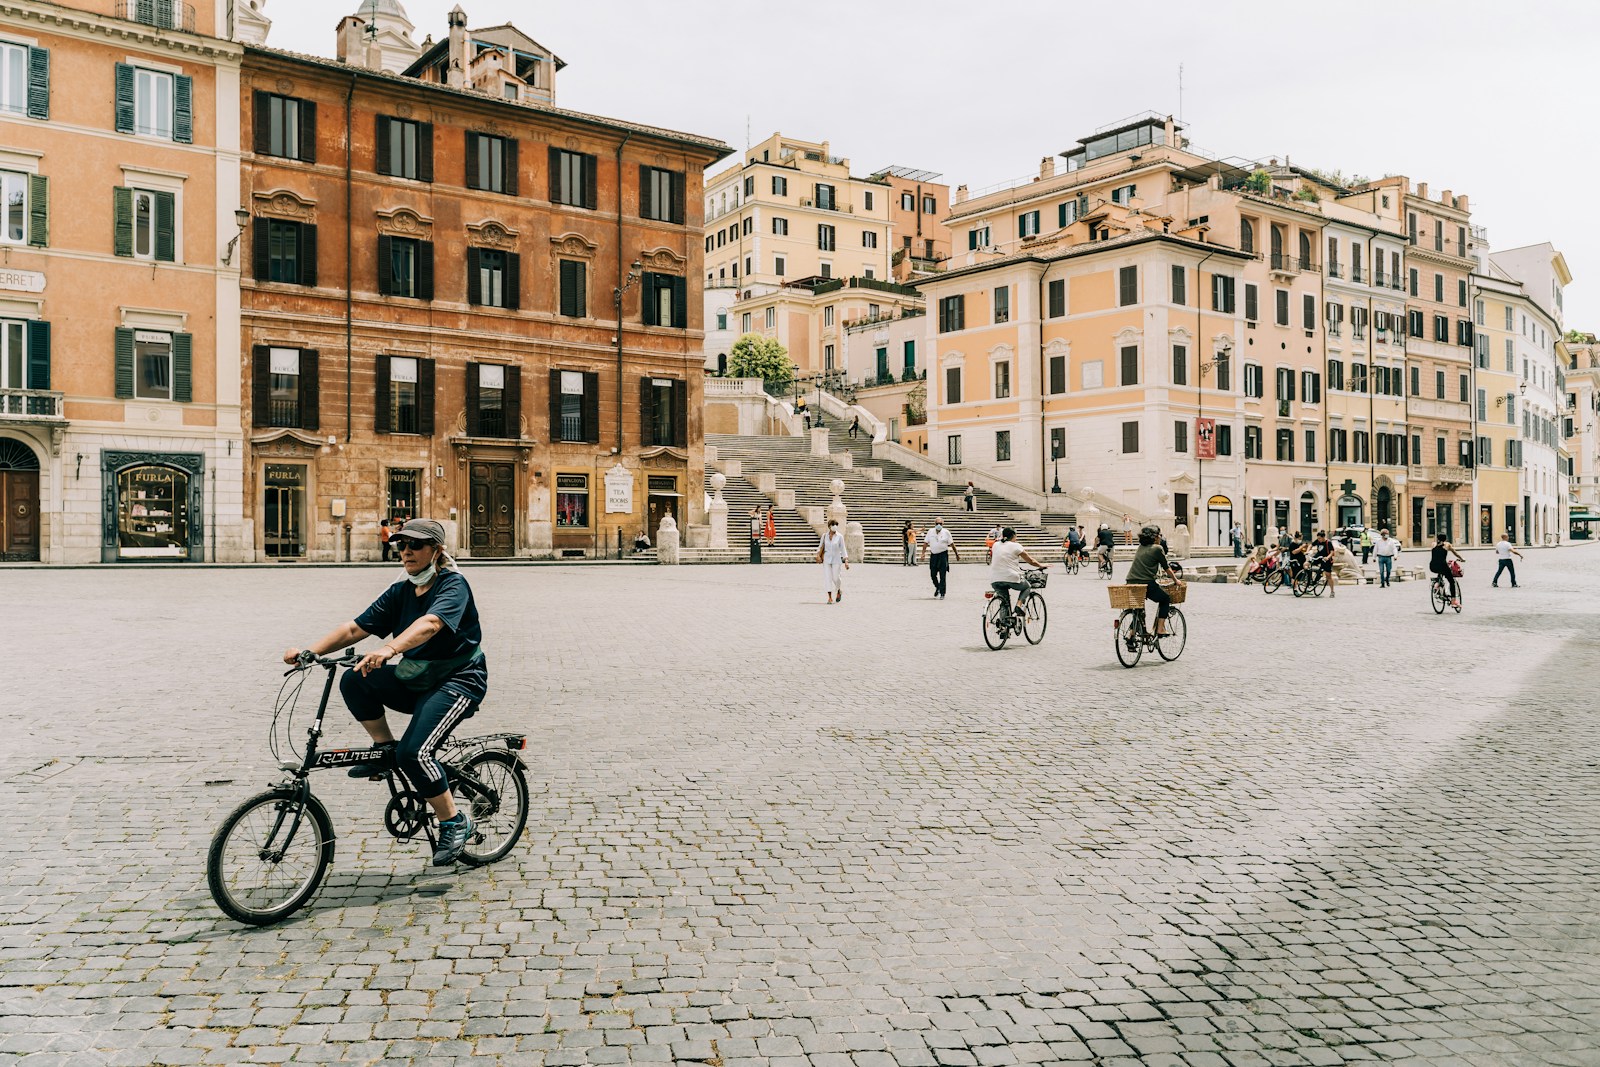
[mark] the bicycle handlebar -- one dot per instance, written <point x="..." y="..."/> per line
<point x="307" y="659"/>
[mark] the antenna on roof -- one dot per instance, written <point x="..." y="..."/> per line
<point x="747" y="131"/>
<point x="1180" y="93"/>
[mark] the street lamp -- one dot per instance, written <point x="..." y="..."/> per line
<point x="1055" y="456"/>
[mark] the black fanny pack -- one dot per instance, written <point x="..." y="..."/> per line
<point x="424" y="675"/>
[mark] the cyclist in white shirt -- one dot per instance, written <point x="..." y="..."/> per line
<point x="1005" y="568"/>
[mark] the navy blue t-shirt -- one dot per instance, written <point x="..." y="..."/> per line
<point x="450" y="598"/>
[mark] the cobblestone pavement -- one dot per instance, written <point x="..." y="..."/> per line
<point x="771" y="831"/>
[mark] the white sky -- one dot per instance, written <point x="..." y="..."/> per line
<point x="1495" y="100"/>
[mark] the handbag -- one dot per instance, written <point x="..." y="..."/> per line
<point x="1455" y="569"/>
<point x="425" y="675"/>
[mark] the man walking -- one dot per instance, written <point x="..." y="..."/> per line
<point x="1385" y="549"/>
<point x="756" y="530"/>
<point x="1366" y="544"/>
<point x="831" y="554"/>
<point x="937" y="544"/>
<point x="1503" y="553"/>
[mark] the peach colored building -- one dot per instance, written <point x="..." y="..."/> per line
<point x="918" y="204"/>
<point x="119" y="298"/>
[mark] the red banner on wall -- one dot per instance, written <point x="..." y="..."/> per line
<point x="1205" y="438"/>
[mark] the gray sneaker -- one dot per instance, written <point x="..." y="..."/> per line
<point x="453" y="836"/>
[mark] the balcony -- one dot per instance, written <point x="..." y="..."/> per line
<point x="162" y="14"/>
<point x="1334" y="271"/>
<point x="848" y="209"/>
<point x="31" y="405"/>
<point x="1442" y="477"/>
<point x="1291" y="265"/>
<point x="1355" y="275"/>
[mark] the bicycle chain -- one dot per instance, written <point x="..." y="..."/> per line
<point x="406" y="815"/>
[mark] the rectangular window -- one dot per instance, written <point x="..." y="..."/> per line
<point x="405" y="267"/>
<point x="664" y="412"/>
<point x="1128" y="286"/>
<point x="405" y="148"/>
<point x="1439" y="451"/>
<point x="153" y="103"/>
<point x="1028" y="224"/>
<point x="492" y="278"/>
<point x="869" y="239"/>
<point x="1413" y="273"/>
<point x="825" y="237"/>
<point x="1252" y="304"/>
<point x="1461" y="291"/>
<point x="1511" y="355"/>
<point x="1310" y="387"/>
<point x="1058" y="374"/>
<point x="1002" y="446"/>
<point x="575" y="405"/>
<point x="574" y="286"/>
<point x="1002" y="303"/>
<point x="930" y="205"/>
<point x="1311" y="446"/>
<point x="770" y="319"/>
<point x="978" y="237"/>
<point x="952" y="450"/>
<point x="780" y="186"/>
<point x="1224" y="371"/>
<point x="152" y="365"/>
<point x="488" y="417"/>
<point x="952" y="314"/>
<point x="1180" y="436"/>
<point x="1282" y="318"/>
<point x="665" y="300"/>
<point x="1058" y="298"/>
<point x="952" y="385"/>
<point x="1129" y="362"/>
<point x="1483" y="405"/>
<point x="908" y="202"/>
<point x="1416" y="381"/>
<point x="779" y="266"/>
<point x="491" y="163"/>
<point x="1066" y="213"/>
<point x="1362" y="444"/>
<point x="910" y="354"/>
<point x="20" y="94"/>
<point x="1284" y="384"/>
<point x="403" y="394"/>
<point x="572" y="501"/>
<point x="825" y="197"/>
<point x="574" y="179"/>
<point x="1414" y="323"/>
<point x="1180" y="293"/>
<point x="1336" y="449"/>
<point x="286" y="127"/>
<point x="1358" y="378"/>
<point x="780" y="227"/>
<point x="290" y="250"/>
<point x="1336" y="375"/>
<point x="1464" y="396"/>
<point x="1308" y="312"/>
<point x="1252" y="442"/>
<point x="744" y="322"/>
<point x="1124" y="194"/>
<point x="1284" y="441"/>
<point x="1438" y="288"/>
<point x="1441" y="329"/>
<point x="1224" y="439"/>
<point x="1180" y="365"/>
<point x="1002" y="380"/>
<point x="1254" y="386"/>
<point x="1130" y="438"/>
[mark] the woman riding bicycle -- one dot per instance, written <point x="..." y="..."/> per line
<point x="1005" y="569"/>
<point x="1149" y="563"/>
<point x="430" y="615"/>
<point x="1439" y="564"/>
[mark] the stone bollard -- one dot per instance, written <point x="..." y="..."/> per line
<point x="718" y="512"/>
<point x="819" y="441"/>
<point x="855" y="542"/>
<point x="1179" y="541"/>
<point x="837" y="510"/>
<point x="667" y="540"/>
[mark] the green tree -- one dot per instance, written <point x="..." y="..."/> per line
<point x="755" y="356"/>
<point x="1259" y="182"/>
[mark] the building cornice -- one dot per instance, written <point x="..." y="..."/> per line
<point x="88" y="26"/>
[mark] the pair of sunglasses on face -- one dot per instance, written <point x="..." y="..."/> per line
<point x="405" y="544"/>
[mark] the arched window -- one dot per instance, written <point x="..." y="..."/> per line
<point x="1305" y="250"/>
<point x="1247" y="236"/>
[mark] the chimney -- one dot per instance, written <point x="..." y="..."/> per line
<point x="1047" y="167"/>
<point x="457" y="73"/>
<point x="961" y="195"/>
<point x="349" y="46"/>
<point x="1446" y="198"/>
<point x="1422" y="190"/>
<point x="1171" y="129"/>
<point x="1462" y="203"/>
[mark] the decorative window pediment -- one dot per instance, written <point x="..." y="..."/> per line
<point x="285" y="204"/>
<point x="573" y="244"/>
<point x="664" y="261"/>
<point x="492" y="234"/>
<point x="404" y="222"/>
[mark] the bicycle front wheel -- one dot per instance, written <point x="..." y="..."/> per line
<point x="1301" y="584"/>
<point x="1438" y="598"/>
<point x="1130" y="638"/>
<point x="494" y="790"/>
<point x="1170" y="644"/>
<point x="995" y="629"/>
<point x="1035" y="619"/>
<point x="269" y="856"/>
<point x="1273" y="582"/>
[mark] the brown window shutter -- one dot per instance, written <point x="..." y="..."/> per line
<point x="385" y="264"/>
<point x="555" y="406"/>
<point x="555" y="175"/>
<point x="647" y="422"/>
<point x="591" y="407"/>
<point x="511" y="166"/>
<point x="425" y="270"/>
<point x="474" y="423"/>
<point x="474" y="282"/>
<point x="425" y="397"/>
<point x="260" y="382"/>
<point x="591" y="186"/>
<point x="474" y="179"/>
<point x="677" y="214"/>
<point x="259" y="250"/>
<point x="512" y="401"/>
<point x="680" y="403"/>
<point x="263" y="122"/>
<point x="308" y="254"/>
<point x="513" y="286"/>
<point x="425" y="151"/>
<point x="646" y="201"/>
<point x="308" y="131"/>
<point x="380" y="398"/>
<point x="381" y="164"/>
<point x="310" y="390"/>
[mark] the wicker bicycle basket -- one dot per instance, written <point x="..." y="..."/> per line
<point x="1036" y="579"/>
<point x="1133" y="596"/>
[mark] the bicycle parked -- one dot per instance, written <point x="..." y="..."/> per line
<point x="1311" y="581"/>
<point x="1028" y="616"/>
<point x="1133" y="637"/>
<point x="270" y="855"/>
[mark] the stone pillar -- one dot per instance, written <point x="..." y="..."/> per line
<point x="667" y="540"/>
<point x="837" y="510"/>
<point x="855" y="542"/>
<point x="819" y="441"/>
<point x="718" y="512"/>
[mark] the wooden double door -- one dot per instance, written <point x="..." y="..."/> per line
<point x="19" y="515"/>
<point x="491" y="521"/>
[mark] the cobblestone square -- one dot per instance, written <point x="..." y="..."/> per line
<point x="766" y="830"/>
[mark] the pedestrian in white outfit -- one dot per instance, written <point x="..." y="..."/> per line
<point x="831" y="554"/>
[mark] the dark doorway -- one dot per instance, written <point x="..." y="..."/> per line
<point x="19" y="502"/>
<point x="1385" y="517"/>
<point x="283" y="511"/>
<point x="1258" y="522"/>
<point x="1308" y="515"/>
<point x="493" y="490"/>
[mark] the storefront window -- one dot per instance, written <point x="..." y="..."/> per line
<point x="283" y="511"/>
<point x="403" y="493"/>
<point x="153" y="513"/>
<point x="572" y="501"/>
<point x="152" y="365"/>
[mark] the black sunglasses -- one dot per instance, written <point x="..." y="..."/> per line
<point x="405" y="543"/>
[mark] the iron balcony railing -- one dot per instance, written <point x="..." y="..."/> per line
<point x="31" y="405"/>
<point x="1286" y="263"/>
<point x="162" y="14"/>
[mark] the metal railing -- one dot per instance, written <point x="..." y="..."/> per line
<point x="162" y="14"/>
<point x="1287" y="264"/>
<point x="31" y="405"/>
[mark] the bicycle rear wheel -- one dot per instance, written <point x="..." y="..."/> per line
<point x="1273" y="582"/>
<point x="1301" y="584"/>
<point x="995" y="631"/>
<point x="269" y="856"/>
<point x="496" y="797"/>
<point x="1437" y="597"/>
<point x="1130" y="638"/>
<point x="1170" y="644"/>
<point x="1035" y="619"/>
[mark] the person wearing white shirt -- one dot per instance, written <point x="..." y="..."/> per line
<point x="1005" y="569"/>
<point x="1503" y="553"/>
<point x="835" y="561"/>
<point x="937" y="544"/>
<point x="1386" y="549"/>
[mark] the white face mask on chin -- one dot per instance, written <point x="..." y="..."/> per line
<point x="424" y="577"/>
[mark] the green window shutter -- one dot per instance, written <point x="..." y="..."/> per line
<point x="38" y="210"/>
<point x="260" y="249"/>
<point x="677" y="213"/>
<point x="680" y="407"/>
<point x="260" y="385"/>
<point x="183" y="367"/>
<point x="38" y="83"/>
<point x="166" y="227"/>
<point x="511" y="166"/>
<point x="474" y="296"/>
<point x="474" y="179"/>
<point x="182" y="109"/>
<point x="308" y="254"/>
<point x="122" y="221"/>
<point x="513" y="286"/>
<point x="591" y="188"/>
<point x="308" y="130"/>
<point x="512" y="402"/>
<point x="646" y="200"/>
<point x="425" y="270"/>
<point x="385" y="270"/>
<point x="38" y="355"/>
<point x="384" y="131"/>
<point x="380" y="400"/>
<point x="474" y="401"/>
<point x="591" y="407"/>
<point x="124" y="103"/>
<point x="124" y="364"/>
<point x="425" y="151"/>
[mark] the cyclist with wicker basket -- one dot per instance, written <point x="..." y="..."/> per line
<point x="1005" y="569"/>
<point x="1149" y="564"/>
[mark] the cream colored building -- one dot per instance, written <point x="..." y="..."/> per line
<point x="1582" y="433"/>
